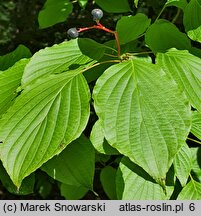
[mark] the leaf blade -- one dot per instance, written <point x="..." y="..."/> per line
<point x="163" y="35"/>
<point x="192" y="20"/>
<point x="54" y="12"/>
<point x="75" y="165"/>
<point x="138" y="23"/>
<point x="133" y="183"/>
<point x="56" y="59"/>
<point x="184" y="68"/>
<point x="138" y="123"/>
<point x="10" y="80"/>
<point x="40" y="120"/>
<point x="192" y="191"/>
<point x="114" y="6"/>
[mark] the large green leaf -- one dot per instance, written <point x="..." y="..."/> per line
<point x="131" y="27"/>
<point x="53" y="12"/>
<point x="192" y="191"/>
<point x="192" y="20"/>
<point x="56" y="59"/>
<point x="114" y="6"/>
<point x="163" y="35"/>
<point x="11" y="58"/>
<point x="196" y="124"/>
<point x="183" y="164"/>
<point x="46" y="117"/>
<point x="184" y="68"/>
<point x="75" y="165"/>
<point x="143" y="114"/>
<point x="133" y="183"/>
<point x="178" y="3"/>
<point x="10" y="79"/>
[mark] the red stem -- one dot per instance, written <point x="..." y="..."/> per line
<point x="101" y="27"/>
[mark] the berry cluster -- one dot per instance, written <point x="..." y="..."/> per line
<point x="97" y="15"/>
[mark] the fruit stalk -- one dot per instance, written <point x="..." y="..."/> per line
<point x="101" y="27"/>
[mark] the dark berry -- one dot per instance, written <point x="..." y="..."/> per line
<point x="97" y="14"/>
<point x="73" y="33"/>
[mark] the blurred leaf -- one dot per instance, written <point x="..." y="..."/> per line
<point x="136" y="3"/>
<point x="178" y="3"/>
<point x="138" y="23"/>
<point x="82" y="3"/>
<point x="54" y="12"/>
<point x="72" y="192"/>
<point x="75" y="165"/>
<point x="114" y="6"/>
<point x="26" y="187"/>
<point x="11" y="58"/>
<point x="192" y="191"/>
<point x="192" y="20"/>
<point x="195" y="51"/>
<point x="183" y="164"/>
<point x="163" y="35"/>
<point x="43" y="184"/>
<point x="10" y="80"/>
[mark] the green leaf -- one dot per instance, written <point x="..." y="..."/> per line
<point x="107" y="178"/>
<point x="26" y="188"/>
<point x="178" y="3"/>
<point x="82" y="3"/>
<point x="183" y="164"/>
<point x="138" y="23"/>
<point x="98" y="141"/>
<point x="114" y="6"/>
<point x="192" y="191"/>
<point x="192" y="20"/>
<point x="54" y="12"/>
<point x="184" y="68"/>
<point x="163" y="35"/>
<point x="45" y="118"/>
<point x="136" y="3"/>
<point x="133" y="183"/>
<point x="196" y="124"/>
<point x="75" y="165"/>
<point x="56" y="59"/>
<point x="10" y="79"/>
<point x="91" y="48"/>
<point x="143" y="114"/>
<point x="11" y="58"/>
<point x="196" y="163"/>
<point x="72" y="192"/>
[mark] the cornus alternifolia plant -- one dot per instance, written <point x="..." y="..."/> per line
<point x="125" y="114"/>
